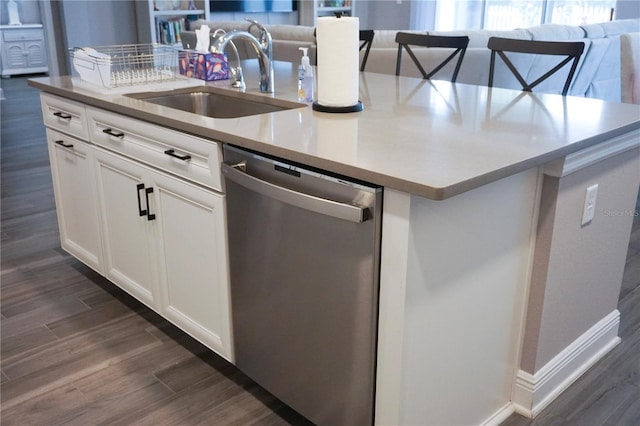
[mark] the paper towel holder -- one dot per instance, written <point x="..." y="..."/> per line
<point x="337" y="109"/>
<point x="342" y="109"/>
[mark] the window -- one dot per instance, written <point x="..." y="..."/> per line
<point x="507" y="15"/>
<point x="575" y="12"/>
<point x="511" y="14"/>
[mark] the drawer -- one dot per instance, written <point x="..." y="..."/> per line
<point x="184" y="155"/>
<point x="64" y="115"/>
<point x="22" y="35"/>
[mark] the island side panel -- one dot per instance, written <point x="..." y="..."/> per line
<point x="572" y="318"/>
<point x="467" y="273"/>
<point x="393" y="279"/>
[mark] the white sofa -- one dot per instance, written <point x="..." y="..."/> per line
<point x="630" y="67"/>
<point x="608" y="69"/>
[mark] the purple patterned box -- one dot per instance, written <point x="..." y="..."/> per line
<point x="205" y="66"/>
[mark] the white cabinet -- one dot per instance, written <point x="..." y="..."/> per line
<point x="160" y="21"/>
<point x="64" y="115"/>
<point x="74" y="189"/>
<point x="191" y="246"/>
<point x="125" y="227"/>
<point x="23" y="50"/>
<point x="156" y="145"/>
<point x="142" y="204"/>
<point x="165" y="243"/>
<point x="72" y="168"/>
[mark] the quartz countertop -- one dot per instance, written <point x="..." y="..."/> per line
<point x="425" y="137"/>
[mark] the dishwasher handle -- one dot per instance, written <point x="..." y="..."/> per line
<point x="298" y="199"/>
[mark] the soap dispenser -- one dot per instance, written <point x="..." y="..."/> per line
<point x="305" y="78"/>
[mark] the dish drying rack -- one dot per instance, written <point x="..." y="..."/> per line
<point x="125" y="65"/>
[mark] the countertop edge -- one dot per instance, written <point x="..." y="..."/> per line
<point x="377" y="178"/>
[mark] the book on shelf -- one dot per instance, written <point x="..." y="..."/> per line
<point x="168" y="30"/>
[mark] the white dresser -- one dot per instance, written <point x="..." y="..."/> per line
<point x="23" y="49"/>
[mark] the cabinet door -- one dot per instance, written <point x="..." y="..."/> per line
<point x="36" y="56"/>
<point x="191" y="235"/>
<point x="76" y="204"/>
<point x="16" y="56"/>
<point x="126" y="226"/>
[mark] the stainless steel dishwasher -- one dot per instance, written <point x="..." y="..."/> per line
<point x="304" y="259"/>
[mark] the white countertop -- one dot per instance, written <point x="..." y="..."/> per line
<point x="430" y="138"/>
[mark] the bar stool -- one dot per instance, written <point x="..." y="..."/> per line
<point x="406" y="40"/>
<point x="571" y="50"/>
<point x="366" y="37"/>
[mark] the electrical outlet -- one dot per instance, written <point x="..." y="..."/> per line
<point x="589" y="204"/>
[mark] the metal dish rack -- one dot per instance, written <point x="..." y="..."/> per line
<point x="125" y="65"/>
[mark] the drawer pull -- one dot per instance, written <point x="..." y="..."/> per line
<point x="140" y="211"/>
<point x="150" y="216"/>
<point x="62" y="115"/>
<point x="110" y="132"/>
<point x="172" y="153"/>
<point x="61" y="143"/>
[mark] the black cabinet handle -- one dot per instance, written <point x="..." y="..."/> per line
<point x="150" y="216"/>
<point x="112" y="133"/>
<point x="172" y="153"/>
<point x="62" y="115"/>
<point x="61" y="143"/>
<point x="142" y="212"/>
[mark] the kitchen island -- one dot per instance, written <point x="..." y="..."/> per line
<point x="493" y="295"/>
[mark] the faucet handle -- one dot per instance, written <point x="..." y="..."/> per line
<point x="237" y="78"/>
<point x="254" y="22"/>
<point x="265" y="35"/>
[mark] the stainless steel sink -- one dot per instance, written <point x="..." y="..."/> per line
<point x="212" y="102"/>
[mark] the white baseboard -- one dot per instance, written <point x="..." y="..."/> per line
<point x="499" y="416"/>
<point x="532" y="393"/>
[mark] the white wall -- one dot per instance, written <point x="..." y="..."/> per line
<point x="384" y="14"/>
<point x="99" y="23"/>
<point x="627" y="9"/>
<point x="71" y="23"/>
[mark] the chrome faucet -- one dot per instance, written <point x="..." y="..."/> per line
<point x="263" y="47"/>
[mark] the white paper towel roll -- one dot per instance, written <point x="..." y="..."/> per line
<point x="338" y="61"/>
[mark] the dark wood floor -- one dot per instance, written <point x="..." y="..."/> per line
<point x="77" y="350"/>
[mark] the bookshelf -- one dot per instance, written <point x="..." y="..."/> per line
<point x="161" y="21"/>
<point x="311" y="10"/>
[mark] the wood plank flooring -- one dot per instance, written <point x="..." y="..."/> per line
<point x="76" y="350"/>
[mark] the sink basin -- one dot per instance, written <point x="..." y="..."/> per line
<point x="214" y="103"/>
